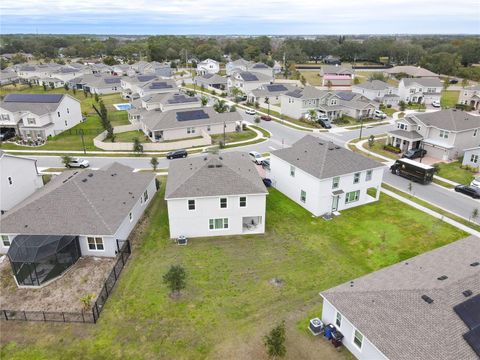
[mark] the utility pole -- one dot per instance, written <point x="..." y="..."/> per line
<point x="83" y="142"/>
<point x="224" y="135"/>
<point x="361" y="128"/>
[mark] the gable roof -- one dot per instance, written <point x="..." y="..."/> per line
<point x="39" y="104"/>
<point x="374" y="85"/>
<point x="171" y="98"/>
<point x="84" y="202"/>
<point x="449" y="119"/>
<point x="434" y="82"/>
<point x="211" y="79"/>
<point x="323" y="159"/>
<point x="231" y="173"/>
<point x="308" y="92"/>
<point x="415" y="71"/>
<point x="386" y="306"/>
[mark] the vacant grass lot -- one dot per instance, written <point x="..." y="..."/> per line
<point x="234" y="136"/>
<point x="449" y="98"/>
<point x="229" y="303"/>
<point x="313" y="77"/>
<point x="453" y="171"/>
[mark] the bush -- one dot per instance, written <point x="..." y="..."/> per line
<point x="389" y="106"/>
<point x="392" y="148"/>
<point x="257" y="120"/>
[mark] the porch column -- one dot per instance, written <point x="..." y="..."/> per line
<point x="377" y="193"/>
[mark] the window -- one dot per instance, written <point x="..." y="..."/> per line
<point x="474" y="158"/>
<point x="218" y="224"/>
<point x="352" y="196"/>
<point x="356" y="178"/>
<point x="358" y="339"/>
<point x="303" y="196"/>
<point x="292" y="171"/>
<point x="335" y="182"/>
<point x="338" y="319"/>
<point x="31" y="121"/>
<point x="68" y="111"/>
<point x="66" y="124"/>
<point x="208" y="128"/>
<point x="191" y="204"/>
<point x="10" y="181"/>
<point x="5" y="117"/>
<point x="145" y="195"/>
<point x="5" y="240"/>
<point x="191" y="130"/>
<point x="243" y="201"/>
<point x="475" y="132"/>
<point x="95" y="243"/>
<point x="444" y="134"/>
<point x="130" y="216"/>
<point x="58" y="113"/>
<point x="223" y="203"/>
<point x="369" y="175"/>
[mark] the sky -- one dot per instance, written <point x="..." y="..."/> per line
<point x="243" y="17"/>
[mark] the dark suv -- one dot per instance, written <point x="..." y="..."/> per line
<point x="414" y="153"/>
<point x="472" y="191"/>
<point x="6" y="134"/>
<point x="177" y="154"/>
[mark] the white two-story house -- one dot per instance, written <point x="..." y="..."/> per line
<point x="324" y="178"/>
<point x="470" y="96"/>
<point x="208" y="66"/>
<point x="246" y="81"/>
<point x="19" y="179"/>
<point x="35" y="116"/>
<point x="215" y="195"/>
<point x="420" y="90"/>
<point x="377" y="90"/>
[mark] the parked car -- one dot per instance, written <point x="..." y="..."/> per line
<point x="414" y="153"/>
<point x="266" y="164"/>
<point x="453" y="81"/>
<point x="256" y="157"/>
<point x="379" y="114"/>
<point x="436" y="104"/>
<point x="267" y="182"/>
<point x="250" y="111"/>
<point x="471" y="191"/>
<point x="6" y="133"/>
<point x="324" y="123"/>
<point x="475" y="182"/>
<point x="177" y="154"/>
<point x="78" y="163"/>
<point x="266" y="118"/>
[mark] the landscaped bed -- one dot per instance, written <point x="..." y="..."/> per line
<point x="234" y="136"/>
<point x="454" y="171"/>
<point x="87" y="276"/>
<point x="230" y="300"/>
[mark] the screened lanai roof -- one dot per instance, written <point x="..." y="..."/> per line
<point x="35" y="248"/>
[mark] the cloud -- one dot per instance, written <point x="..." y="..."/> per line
<point x="247" y="16"/>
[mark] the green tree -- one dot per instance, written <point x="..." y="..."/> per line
<point x="65" y="86"/>
<point x="474" y="214"/>
<point x="464" y="83"/>
<point x="267" y="101"/>
<point x="154" y="163"/>
<point x="137" y="146"/>
<point x="44" y="87"/>
<point x="377" y="76"/>
<point x="204" y="100"/>
<point x="66" y="160"/>
<point x="402" y="105"/>
<point x="87" y="301"/>
<point x="446" y="84"/>
<point x="96" y="97"/>
<point x="356" y="80"/>
<point x="220" y="106"/>
<point x="371" y="141"/>
<point x="275" y="342"/>
<point x="312" y="113"/>
<point x="110" y="60"/>
<point x="329" y="85"/>
<point x="74" y="91"/>
<point x="175" y="278"/>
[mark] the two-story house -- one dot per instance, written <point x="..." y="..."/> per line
<point x="443" y="134"/>
<point x="470" y="96"/>
<point x="208" y="66"/>
<point x="19" y="179"/>
<point x="97" y="83"/>
<point x="35" y="116"/>
<point x="238" y="65"/>
<point x="163" y="70"/>
<point x="168" y="101"/>
<point x="377" y="90"/>
<point x="420" y="90"/>
<point x="336" y="75"/>
<point x="325" y="178"/>
<point x="271" y="91"/>
<point x="246" y="81"/>
<point x="215" y="195"/>
<point x="143" y="85"/>
<point x="211" y="82"/>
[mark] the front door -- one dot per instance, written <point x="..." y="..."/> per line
<point x="335" y="203"/>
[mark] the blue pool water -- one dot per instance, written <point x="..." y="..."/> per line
<point x="125" y="106"/>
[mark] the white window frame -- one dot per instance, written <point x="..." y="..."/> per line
<point x="244" y="201"/>
<point x="338" y="319"/>
<point x="226" y="203"/>
<point x="191" y="202"/>
<point x="213" y="222"/>
<point x="303" y="196"/>
<point x="6" y="239"/>
<point x="444" y="134"/>
<point x="356" y="196"/>
<point x="356" y="177"/>
<point x="97" y="240"/>
<point x="474" y="158"/>
<point x="369" y="175"/>
<point x="355" y="332"/>
<point x="145" y="195"/>
<point x="31" y="121"/>
<point x="292" y="171"/>
<point x="335" y="182"/>
<point x="10" y="181"/>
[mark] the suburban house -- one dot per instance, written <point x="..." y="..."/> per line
<point x="298" y="102"/>
<point x="98" y="83"/>
<point x="100" y="68"/>
<point x="262" y="69"/>
<point x="443" y="134"/>
<point x="377" y="90"/>
<point x="50" y="82"/>
<point x="28" y="72"/>
<point x="247" y="80"/>
<point x="19" y="179"/>
<point x="131" y="84"/>
<point x="168" y="101"/>
<point x="237" y="65"/>
<point x="143" y="85"/>
<point x="185" y="123"/>
<point x="211" y="82"/>
<point x="69" y="72"/>
<point x="78" y="213"/>
<point x="271" y="91"/>
<point x="420" y="90"/>
<point x="214" y="195"/>
<point x="8" y="77"/>
<point x="123" y="70"/>
<point x="335" y="75"/>
<point x="471" y="157"/>
<point x="325" y="178"/>
<point x="208" y="66"/>
<point x="426" y="307"/>
<point x="410" y="71"/>
<point x="470" y="96"/>
<point x="162" y="70"/>
<point x="35" y="116"/>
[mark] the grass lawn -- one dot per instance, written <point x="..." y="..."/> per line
<point x="300" y="122"/>
<point x="128" y="136"/>
<point x="389" y="111"/>
<point x="313" y="77"/>
<point x="234" y="136"/>
<point x="229" y="303"/>
<point x="378" y="148"/>
<point x="264" y="132"/>
<point x="346" y="120"/>
<point x="454" y="171"/>
<point x="449" y="98"/>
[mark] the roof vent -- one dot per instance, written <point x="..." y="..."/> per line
<point x="211" y="166"/>
<point x="84" y="180"/>
<point x="331" y="146"/>
<point x="114" y="174"/>
<point x="427" y="299"/>
<point x="467" y="293"/>
<point x="218" y="165"/>
<point x="443" y="277"/>
<point x="476" y="263"/>
<point x="90" y="175"/>
<point x="220" y="158"/>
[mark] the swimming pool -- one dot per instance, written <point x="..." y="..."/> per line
<point x="125" y="106"/>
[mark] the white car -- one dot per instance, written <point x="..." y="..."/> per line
<point x="436" y="104"/>
<point x="250" y="111"/>
<point x="379" y="114"/>
<point x="256" y="157"/>
<point x="78" y="163"/>
<point x="476" y="182"/>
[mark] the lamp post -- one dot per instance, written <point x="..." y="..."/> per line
<point x="224" y="135"/>
<point x="361" y="128"/>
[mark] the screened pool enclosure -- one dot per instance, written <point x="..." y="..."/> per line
<point x="36" y="259"/>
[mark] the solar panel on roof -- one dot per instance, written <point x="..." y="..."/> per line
<point x="160" y="85"/>
<point x="260" y="66"/>
<point x="469" y="312"/>
<point x="177" y="99"/>
<point x="192" y="115"/>
<point x="33" y="98"/>
<point x="144" y="78"/>
<point x="473" y="339"/>
<point x="112" y="81"/>
<point x="249" y="76"/>
<point x="276" y="88"/>
<point x="295" y="93"/>
<point x="347" y="96"/>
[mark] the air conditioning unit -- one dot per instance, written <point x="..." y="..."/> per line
<point x="316" y="326"/>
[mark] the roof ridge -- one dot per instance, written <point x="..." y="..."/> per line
<point x="179" y="184"/>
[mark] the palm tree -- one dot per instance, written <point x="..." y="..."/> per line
<point x="220" y="106"/>
<point x="204" y="100"/>
<point x="312" y="114"/>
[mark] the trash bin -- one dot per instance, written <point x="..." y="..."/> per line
<point x="328" y="331"/>
<point x="316" y="326"/>
<point x="337" y="338"/>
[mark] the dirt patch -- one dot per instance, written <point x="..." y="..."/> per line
<point x="277" y="282"/>
<point x="85" y="277"/>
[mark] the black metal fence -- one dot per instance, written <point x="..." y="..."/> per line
<point x="83" y="316"/>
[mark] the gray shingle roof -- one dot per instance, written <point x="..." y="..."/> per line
<point x="412" y="135"/>
<point x="450" y="119"/>
<point x="308" y="92"/>
<point x="35" y="106"/>
<point x="387" y="308"/>
<point x="415" y="71"/>
<point x="211" y="79"/>
<point x="323" y="159"/>
<point x="231" y="173"/>
<point x="374" y="85"/>
<point x="432" y="82"/>
<point x="70" y="206"/>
